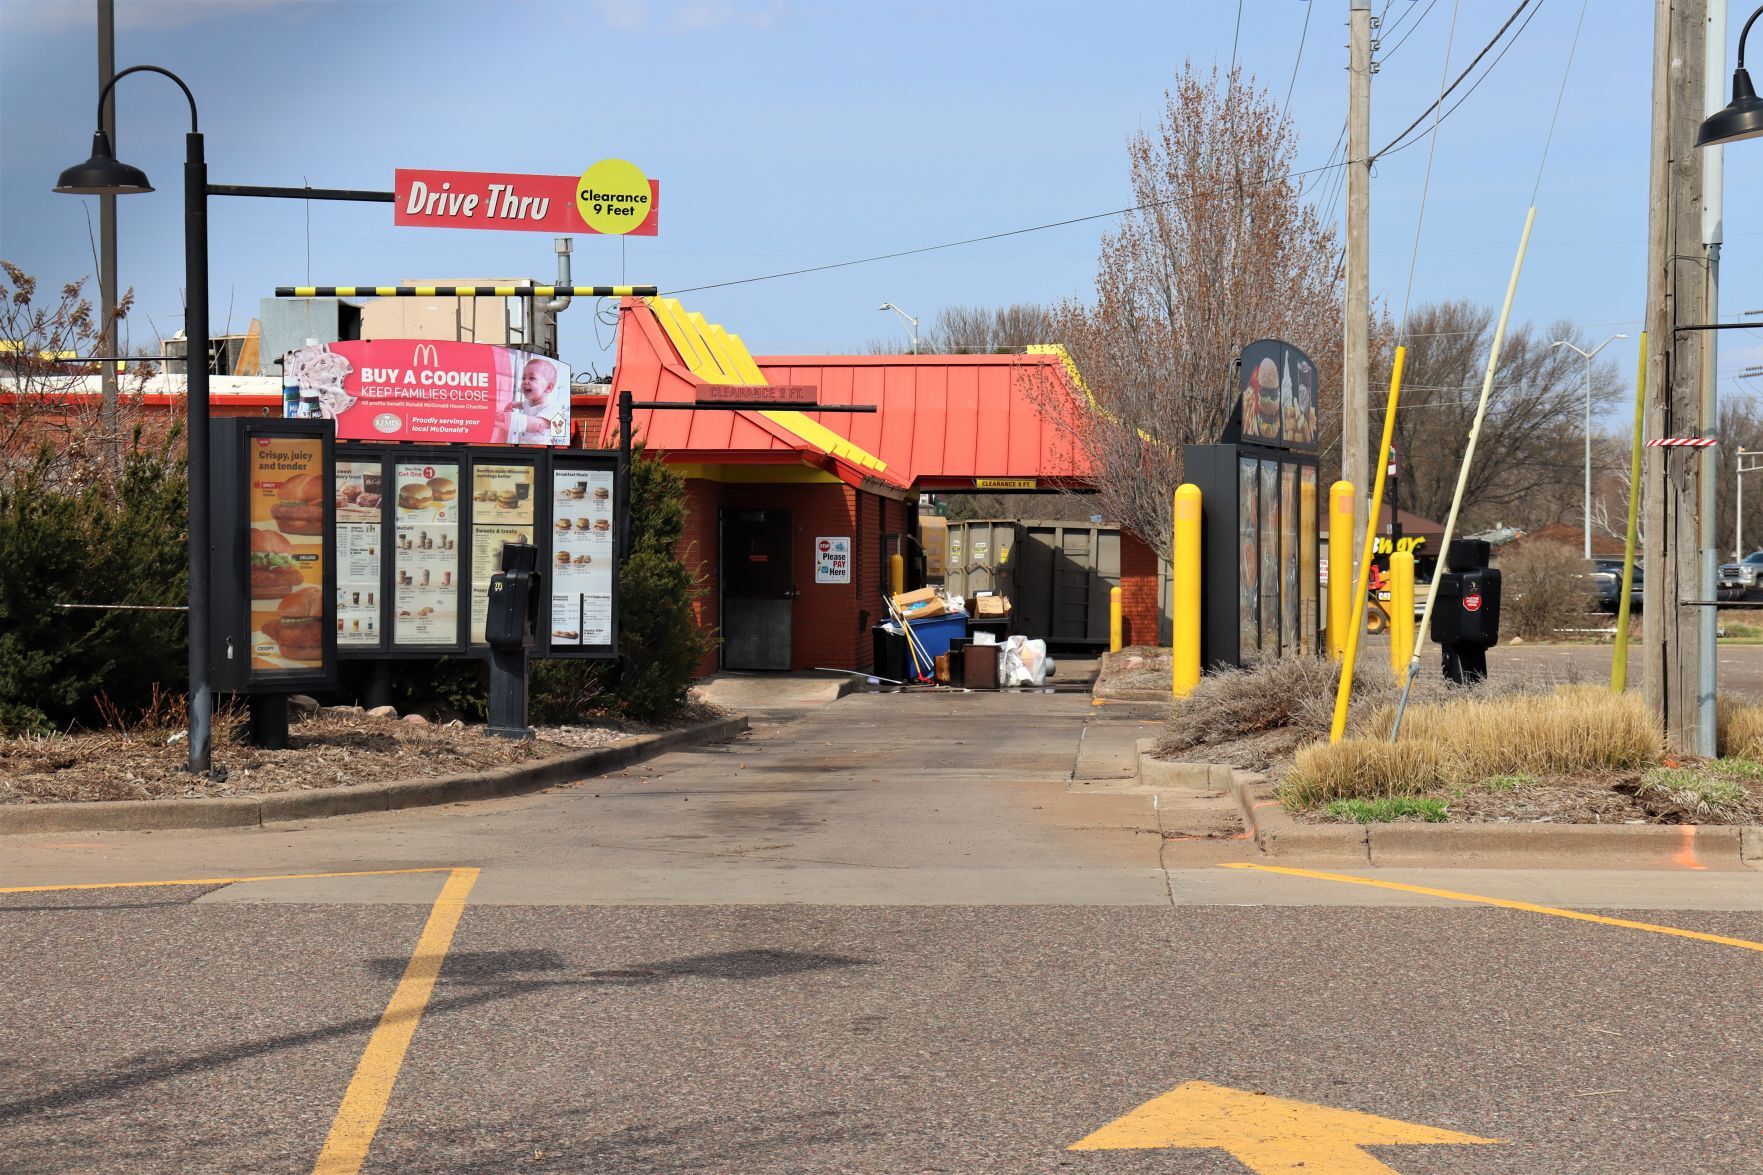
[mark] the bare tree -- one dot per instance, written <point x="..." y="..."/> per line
<point x="1221" y="250"/>
<point x="1530" y="461"/>
<point x="41" y="405"/>
<point x="976" y="330"/>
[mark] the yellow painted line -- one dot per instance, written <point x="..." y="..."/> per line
<point x="364" y="1102"/>
<point x="218" y="880"/>
<point x="1506" y="904"/>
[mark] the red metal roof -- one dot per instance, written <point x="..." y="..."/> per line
<point x="942" y="420"/>
<point x="945" y="420"/>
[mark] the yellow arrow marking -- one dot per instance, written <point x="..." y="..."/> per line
<point x="1268" y="1135"/>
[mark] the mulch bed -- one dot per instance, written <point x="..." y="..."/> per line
<point x="330" y="749"/>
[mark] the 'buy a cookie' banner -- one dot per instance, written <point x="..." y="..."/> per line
<point x="613" y="197"/>
<point x="436" y="392"/>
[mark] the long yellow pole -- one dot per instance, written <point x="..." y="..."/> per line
<point x="1340" y="566"/>
<point x="1185" y="592"/>
<point x="1114" y="626"/>
<point x="1619" y="667"/>
<point x="1357" y="624"/>
<point x="1401" y="612"/>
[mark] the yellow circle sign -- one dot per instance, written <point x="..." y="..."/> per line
<point x="613" y="196"/>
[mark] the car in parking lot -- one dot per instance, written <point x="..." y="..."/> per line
<point x="1738" y="580"/>
<point x="1606" y="577"/>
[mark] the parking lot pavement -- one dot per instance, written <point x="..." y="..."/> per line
<point x="195" y="1037"/>
<point x="894" y="935"/>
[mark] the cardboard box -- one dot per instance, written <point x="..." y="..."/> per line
<point x="924" y="602"/>
<point x="994" y="605"/>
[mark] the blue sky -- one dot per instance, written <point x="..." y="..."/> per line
<point x="789" y="133"/>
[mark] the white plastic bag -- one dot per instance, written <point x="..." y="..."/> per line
<point x="1025" y="661"/>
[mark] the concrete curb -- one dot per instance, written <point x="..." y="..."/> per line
<point x="1274" y="831"/>
<point x="1204" y="777"/>
<point x="247" y="811"/>
<point x="1120" y="694"/>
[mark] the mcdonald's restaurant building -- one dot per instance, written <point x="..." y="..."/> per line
<point x="792" y="513"/>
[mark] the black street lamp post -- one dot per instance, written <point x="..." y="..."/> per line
<point x="102" y="174"/>
<point x="1743" y="116"/>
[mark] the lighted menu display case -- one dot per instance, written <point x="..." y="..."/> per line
<point x="1261" y="593"/>
<point x="272" y="614"/>
<point x="419" y="532"/>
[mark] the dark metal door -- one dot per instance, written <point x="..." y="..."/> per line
<point x="758" y="589"/>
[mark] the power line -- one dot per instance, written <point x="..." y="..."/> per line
<point x="1303" y="35"/>
<point x="1426" y="182"/>
<point x="1391" y="51"/>
<point x="1566" y="72"/>
<point x="1516" y="12"/>
<point x="1015" y="232"/>
<point x="1478" y="81"/>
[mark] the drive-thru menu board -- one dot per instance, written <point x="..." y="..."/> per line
<point x="582" y="559"/>
<point x="501" y="512"/>
<point x="286" y="516"/>
<point x="361" y="510"/>
<point x="443" y="516"/>
<point x="425" y="557"/>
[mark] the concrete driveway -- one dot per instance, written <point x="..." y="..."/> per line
<point x="901" y="933"/>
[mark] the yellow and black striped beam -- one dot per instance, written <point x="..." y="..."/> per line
<point x="465" y="291"/>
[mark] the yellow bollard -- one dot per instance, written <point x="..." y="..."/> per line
<point x="1401" y="613"/>
<point x="897" y="572"/>
<point x="1340" y="570"/>
<point x="1114" y="620"/>
<point x="1185" y="592"/>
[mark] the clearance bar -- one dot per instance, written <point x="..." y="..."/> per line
<point x="465" y="291"/>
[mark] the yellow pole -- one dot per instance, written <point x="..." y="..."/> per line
<point x="1356" y="624"/>
<point x="1340" y="566"/>
<point x="897" y="572"/>
<point x="1185" y="592"/>
<point x="1114" y="620"/>
<point x="1401" y="612"/>
<point x="1619" y="667"/>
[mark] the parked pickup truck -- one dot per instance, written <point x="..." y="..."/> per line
<point x="1606" y="576"/>
<point x="1738" y="580"/>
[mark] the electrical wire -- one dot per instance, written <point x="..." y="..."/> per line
<point x="1562" y="93"/>
<point x="1015" y="232"/>
<point x="1391" y="51"/>
<point x="1485" y="49"/>
<point x="1303" y="35"/>
<point x="1426" y="180"/>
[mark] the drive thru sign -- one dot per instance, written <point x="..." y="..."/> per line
<point x="611" y="197"/>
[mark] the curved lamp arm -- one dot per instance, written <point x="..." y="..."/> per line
<point x="104" y="94"/>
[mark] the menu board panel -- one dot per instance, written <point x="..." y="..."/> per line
<point x="1288" y="557"/>
<point x="502" y="512"/>
<point x="1308" y="588"/>
<point x="286" y="517"/>
<point x="361" y="510"/>
<point x="1270" y="558"/>
<point x="1249" y="556"/>
<point x="582" y="565"/>
<point x="426" y="555"/>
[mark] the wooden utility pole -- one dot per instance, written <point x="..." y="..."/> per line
<point x="1676" y="295"/>
<point x="109" y="338"/>
<point x="1356" y="348"/>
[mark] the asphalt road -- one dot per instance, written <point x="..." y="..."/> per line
<point x="895" y="935"/>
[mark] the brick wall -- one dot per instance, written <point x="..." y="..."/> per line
<point x="1138" y="591"/>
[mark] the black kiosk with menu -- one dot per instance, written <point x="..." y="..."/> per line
<point x="1261" y="590"/>
<point x="273" y="617"/>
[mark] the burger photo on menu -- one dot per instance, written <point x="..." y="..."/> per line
<point x="274" y="570"/>
<point x="298" y="625"/>
<point x="299" y="507"/>
<point x="416" y="496"/>
<point x="442" y="490"/>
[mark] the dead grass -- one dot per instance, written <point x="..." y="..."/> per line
<point x="1573" y="730"/>
<point x="1739" y="728"/>
<point x="1143" y="667"/>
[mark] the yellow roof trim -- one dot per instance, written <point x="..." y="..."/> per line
<point x="715" y="356"/>
<point x="825" y="439"/>
<point x="1077" y="381"/>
